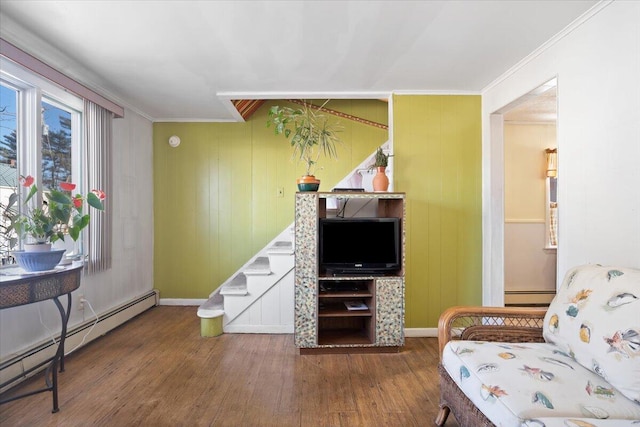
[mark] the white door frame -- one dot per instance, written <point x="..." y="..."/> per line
<point x="493" y="201"/>
<point x="493" y="221"/>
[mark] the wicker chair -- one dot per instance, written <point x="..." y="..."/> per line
<point x="480" y="324"/>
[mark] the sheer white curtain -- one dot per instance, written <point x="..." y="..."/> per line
<point x="97" y="175"/>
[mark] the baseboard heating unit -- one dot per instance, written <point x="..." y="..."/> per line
<point x="35" y="357"/>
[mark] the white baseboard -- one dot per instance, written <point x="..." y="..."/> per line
<point x="182" y="301"/>
<point x="77" y="337"/>
<point x="421" y="332"/>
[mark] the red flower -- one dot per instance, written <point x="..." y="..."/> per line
<point x="101" y="194"/>
<point x="77" y="201"/>
<point x="67" y="186"/>
<point x="26" y="181"/>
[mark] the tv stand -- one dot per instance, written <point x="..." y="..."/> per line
<point x="343" y="311"/>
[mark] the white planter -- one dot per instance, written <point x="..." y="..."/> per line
<point x="37" y="247"/>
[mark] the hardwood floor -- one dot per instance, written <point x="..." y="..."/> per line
<point x="156" y="370"/>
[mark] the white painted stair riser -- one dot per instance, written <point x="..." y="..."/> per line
<point x="281" y="263"/>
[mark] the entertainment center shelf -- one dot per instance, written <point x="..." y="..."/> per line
<point x="347" y="311"/>
<point x="337" y="323"/>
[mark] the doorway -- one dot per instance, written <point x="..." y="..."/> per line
<point x="529" y="126"/>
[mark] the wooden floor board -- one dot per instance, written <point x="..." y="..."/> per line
<point x="156" y="370"/>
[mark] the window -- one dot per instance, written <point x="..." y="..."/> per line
<point x="40" y="135"/>
<point x="8" y="158"/>
<point x="56" y="145"/>
<point x="551" y="206"/>
<point x="50" y="109"/>
<point x="552" y="213"/>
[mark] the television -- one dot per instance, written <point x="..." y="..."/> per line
<point x="367" y="246"/>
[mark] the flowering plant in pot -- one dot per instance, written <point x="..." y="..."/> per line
<point x="62" y="214"/>
<point x="310" y="133"/>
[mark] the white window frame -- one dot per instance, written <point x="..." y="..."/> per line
<point x="32" y="90"/>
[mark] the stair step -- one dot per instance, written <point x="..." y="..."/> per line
<point x="260" y="266"/>
<point x="237" y="286"/>
<point x="281" y="263"/>
<point x="282" y="247"/>
<point x="211" y="308"/>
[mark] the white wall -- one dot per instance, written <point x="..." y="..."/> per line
<point x="132" y="272"/>
<point x="597" y="65"/>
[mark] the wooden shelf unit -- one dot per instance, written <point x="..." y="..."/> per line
<point x="336" y="323"/>
<point x="323" y="324"/>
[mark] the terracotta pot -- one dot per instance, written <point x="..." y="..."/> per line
<point x="308" y="183"/>
<point x="381" y="180"/>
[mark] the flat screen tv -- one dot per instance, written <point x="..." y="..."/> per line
<point x="359" y="245"/>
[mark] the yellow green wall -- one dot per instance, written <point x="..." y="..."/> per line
<point x="215" y="196"/>
<point x="437" y="162"/>
<point x="216" y="199"/>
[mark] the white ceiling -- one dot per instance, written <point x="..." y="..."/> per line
<point x="539" y="106"/>
<point x="184" y="60"/>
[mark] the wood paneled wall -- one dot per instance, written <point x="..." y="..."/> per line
<point x="215" y="195"/>
<point x="437" y="145"/>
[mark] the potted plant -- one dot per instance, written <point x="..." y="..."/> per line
<point x="380" y="180"/>
<point x="311" y="135"/>
<point x="38" y="226"/>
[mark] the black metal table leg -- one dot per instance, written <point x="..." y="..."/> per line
<point x="65" y="322"/>
<point x="59" y="356"/>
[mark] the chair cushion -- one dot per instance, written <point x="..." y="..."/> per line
<point x="595" y="317"/>
<point x="579" y="422"/>
<point x="518" y="384"/>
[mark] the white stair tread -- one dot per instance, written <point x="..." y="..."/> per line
<point x="209" y="314"/>
<point x="211" y="308"/>
<point x="282" y="247"/>
<point x="237" y="286"/>
<point x="260" y="266"/>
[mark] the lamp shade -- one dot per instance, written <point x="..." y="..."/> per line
<point x="552" y="162"/>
